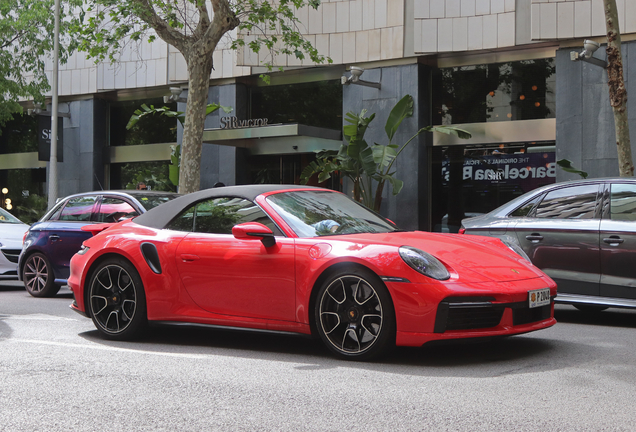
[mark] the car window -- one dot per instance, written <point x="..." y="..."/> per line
<point x="150" y="201"/>
<point x="525" y="209"/>
<point x="219" y="215"/>
<point x="78" y="209"/>
<point x="319" y="213"/>
<point x="112" y="209"/>
<point x="623" y="202"/>
<point x="576" y="202"/>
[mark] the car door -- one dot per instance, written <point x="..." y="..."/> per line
<point x="618" y="242"/>
<point x="561" y="238"/>
<point x="65" y="235"/>
<point x="228" y="276"/>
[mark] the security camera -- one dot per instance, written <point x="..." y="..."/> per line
<point x="356" y="72"/>
<point x="176" y="91"/>
<point x="590" y="48"/>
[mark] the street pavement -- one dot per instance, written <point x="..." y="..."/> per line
<point x="58" y="374"/>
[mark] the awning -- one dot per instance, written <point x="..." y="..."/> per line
<point x="276" y="139"/>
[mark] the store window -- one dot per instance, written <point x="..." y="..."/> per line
<point x="472" y="180"/>
<point x="25" y="187"/>
<point x="523" y="90"/>
<point x="152" y="129"/>
<point x="314" y="104"/>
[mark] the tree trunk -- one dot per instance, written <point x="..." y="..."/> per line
<point x="617" y="91"/>
<point x="199" y="69"/>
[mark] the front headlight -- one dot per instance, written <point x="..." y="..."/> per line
<point x="424" y="263"/>
<point x="513" y="246"/>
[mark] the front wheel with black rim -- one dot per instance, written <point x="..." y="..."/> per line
<point x="116" y="300"/>
<point x="37" y="273"/>
<point x="354" y="315"/>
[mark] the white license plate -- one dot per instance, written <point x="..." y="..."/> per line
<point x="538" y="298"/>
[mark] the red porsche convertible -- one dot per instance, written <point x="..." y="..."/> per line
<point x="305" y="260"/>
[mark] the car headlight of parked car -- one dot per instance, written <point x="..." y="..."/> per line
<point x="424" y="263"/>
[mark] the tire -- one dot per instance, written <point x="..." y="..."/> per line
<point x="116" y="300"/>
<point x="354" y="315"/>
<point x="38" y="276"/>
<point x="590" y="308"/>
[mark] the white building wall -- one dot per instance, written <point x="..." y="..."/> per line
<point x="357" y="31"/>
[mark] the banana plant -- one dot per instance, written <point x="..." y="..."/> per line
<point x="370" y="165"/>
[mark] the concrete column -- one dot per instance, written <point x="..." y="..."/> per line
<point x="410" y="208"/>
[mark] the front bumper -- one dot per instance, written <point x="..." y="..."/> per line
<point x="514" y="318"/>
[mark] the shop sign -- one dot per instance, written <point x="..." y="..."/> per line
<point x="44" y="138"/>
<point x="528" y="170"/>
<point x="235" y="123"/>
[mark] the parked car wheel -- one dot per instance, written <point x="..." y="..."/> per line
<point x="116" y="300"/>
<point x="38" y="276"/>
<point x="354" y="315"/>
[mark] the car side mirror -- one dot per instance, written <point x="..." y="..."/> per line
<point x="254" y="231"/>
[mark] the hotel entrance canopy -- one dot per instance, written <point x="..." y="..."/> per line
<point x="276" y="139"/>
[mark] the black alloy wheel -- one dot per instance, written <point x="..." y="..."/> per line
<point x="38" y="276"/>
<point x="116" y="300"/>
<point x="354" y="315"/>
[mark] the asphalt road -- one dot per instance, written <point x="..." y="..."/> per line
<point x="57" y="374"/>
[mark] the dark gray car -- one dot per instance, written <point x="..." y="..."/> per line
<point x="581" y="233"/>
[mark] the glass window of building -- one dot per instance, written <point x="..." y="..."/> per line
<point x="152" y="129"/>
<point x="25" y="187"/>
<point x="522" y="90"/>
<point x="314" y="104"/>
<point x="471" y="180"/>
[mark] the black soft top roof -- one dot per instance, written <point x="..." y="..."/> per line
<point x="161" y="215"/>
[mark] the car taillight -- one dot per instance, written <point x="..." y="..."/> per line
<point x="462" y="230"/>
<point x="24" y="237"/>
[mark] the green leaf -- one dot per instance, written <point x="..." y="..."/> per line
<point x="383" y="155"/>
<point x="396" y="184"/>
<point x="402" y="110"/>
<point x="451" y="130"/>
<point x="567" y="166"/>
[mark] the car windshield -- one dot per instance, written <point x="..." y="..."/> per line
<point x="150" y="201"/>
<point x="6" y="217"/>
<point x="319" y="213"/>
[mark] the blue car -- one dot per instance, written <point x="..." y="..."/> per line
<point x="50" y="243"/>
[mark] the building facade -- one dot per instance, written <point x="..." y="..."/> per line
<point x="498" y="68"/>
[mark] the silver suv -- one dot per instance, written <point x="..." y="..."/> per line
<point x="581" y="233"/>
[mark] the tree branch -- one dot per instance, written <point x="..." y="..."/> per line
<point x="224" y="20"/>
<point x="163" y="29"/>
<point x="204" y="20"/>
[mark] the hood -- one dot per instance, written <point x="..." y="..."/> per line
<point x="484" y="256"/>
<point x="12" y="233"/>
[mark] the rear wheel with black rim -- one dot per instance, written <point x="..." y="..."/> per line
<point x="354" y="315"/>
<point x="116" y="300"/>
<point x="38" y="276"/>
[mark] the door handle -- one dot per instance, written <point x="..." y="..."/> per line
<point x="54" y="237"/>
<point x="534" y="237"/>
<point x="613" y="240"/>
<point x="189" y="257"/>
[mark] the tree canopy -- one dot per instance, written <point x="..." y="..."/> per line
<point x="105" y="26"/>
<point x="26" y="38"/>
